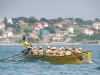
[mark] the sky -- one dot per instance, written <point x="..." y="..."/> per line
<point x="50" y="9"/>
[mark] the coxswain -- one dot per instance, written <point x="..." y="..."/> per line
<point x="27" y="44"/>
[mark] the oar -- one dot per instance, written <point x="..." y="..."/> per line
<point x="17" y="59"/>
<point x="12" y="57"/>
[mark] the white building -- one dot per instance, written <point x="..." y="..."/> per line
<point x="2" y="25"/>
<point x="74" y="23"/>
<point x="45" y="24"/>
<point x="70" y="30"/>
<point x="55" y="38"/>
<point x="87" y="31"/>
<point x="8" y="34"/>
<point x="57" y="25"/>
<point x="9" y="21"/>
<point x="96" y="25"/>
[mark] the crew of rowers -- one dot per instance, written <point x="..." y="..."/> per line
<point x="56" y="52"/>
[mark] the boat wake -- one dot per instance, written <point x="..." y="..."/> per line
<point x="92" y="61"/>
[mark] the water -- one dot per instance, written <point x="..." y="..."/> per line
<point x="43" y="68"/>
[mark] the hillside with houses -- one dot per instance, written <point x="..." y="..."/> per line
<point x="53" y="31"/>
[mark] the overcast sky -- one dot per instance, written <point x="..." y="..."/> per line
<point x="50" y="9"/>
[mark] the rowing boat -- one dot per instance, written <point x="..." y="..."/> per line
<point x="79" y="58"/>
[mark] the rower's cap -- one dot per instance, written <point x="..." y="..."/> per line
<point x="55" y="48"/>
<point x="62" y="47"/>
<point x="80" y="48"/>
<point x="48" y="46"/>
<point x="40" y="46"/>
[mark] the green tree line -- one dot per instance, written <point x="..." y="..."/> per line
<point x="82" y="36"/>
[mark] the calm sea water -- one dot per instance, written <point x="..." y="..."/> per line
<point x="43" y="68"/>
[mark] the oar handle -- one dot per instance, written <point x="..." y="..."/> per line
<point x="30" y="43"/>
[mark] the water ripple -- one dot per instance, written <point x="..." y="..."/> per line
<point x="30" y="67"/>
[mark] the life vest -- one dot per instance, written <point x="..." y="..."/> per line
<point x="67" y="53"/>
<point x="61" y="54"/>
<point x="35" y="53"/>
<point x="54" y="54"/>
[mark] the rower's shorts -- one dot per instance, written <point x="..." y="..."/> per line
<point x="29" y="49"/>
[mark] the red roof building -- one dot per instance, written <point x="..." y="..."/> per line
<point x="2" y="25"/>
<point x="33" y="35"/>
<point x="22" y="23"/>
<point x="37" y="28"/>
<point x="39" y="25"/>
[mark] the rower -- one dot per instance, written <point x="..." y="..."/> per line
<point x="48" y="49"/>
<point x="27" y="44"/>
<point x="67" y="51"/>
<point x="34" y="49"/>
<point x="61" y="52"/>
<point x="47" y="52"/>
<point x="40" y="51"/>
<point x="54" y="51"/>
<point x="74" y="49"/>
<point x="79" y="50"/>
<point x="62" y="48"/>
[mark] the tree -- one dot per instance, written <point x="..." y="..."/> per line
<point x="17" y="26"/>
<point x="23" y="19"/>
<point x="5" y="22"/>
<point x="33" y="40"/>
<point x="17" y="31"/>
<point x="90" y="22"/>
<point x="1" y="32"/>
<point x="11" y="25"/>
<point x="76" y="31"/>
<point x="32" y="20"/>
<point x="51" y="29"/>
<point x="36" y="40"/>
<point x="43" y="20"/>
<point x="79" y="20"/>
<point x="51" y="21"/>
<point x="26" y="30"/>
<point x="59" y="19"/>
<point x="15" y="20"/>
<point x="68" y="18"/>
<point x="14" y="31"/>
<point x="96" y="19"/>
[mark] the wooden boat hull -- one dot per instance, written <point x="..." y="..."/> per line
<point x="79" y="58"/>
